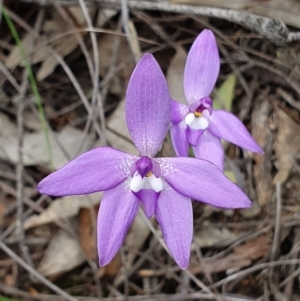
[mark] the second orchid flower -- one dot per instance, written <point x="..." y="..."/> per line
<point x="197" y="124"/>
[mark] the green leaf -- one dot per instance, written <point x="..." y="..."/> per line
<point x="6" y="299"/>
<point x="230" y="175"/>
<point x="225" y="94"/>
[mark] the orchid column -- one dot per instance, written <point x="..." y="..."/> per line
<point x="197" y="124"/>
<point x="164" y="186"/>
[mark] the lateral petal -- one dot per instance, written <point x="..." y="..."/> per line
<point x="202" y="67"/>
<point x="118" y="209"/>
<point x="179" y="139"/>
<point x="228" y="127"/>
<point x="210" y="148"/>
<point x="148" y="106"/>
<point x="178" y="111"/>
<point x="175" y="217"/>
<point x="202" y="181"/>
<point x="99" y="169"/>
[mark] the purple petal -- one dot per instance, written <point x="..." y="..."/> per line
<point x="193" y="136"/>
<point x="96" y="170"/>
<point x="210" y="148"/>
<point x="178" y="111"/>
<point x="202" y="181"/>
<point x="148" y="106"/>
<point x="202" y="67"/>
<point x="118" y="209"/>
<point x="179" y="139"/>
<point x="148" y="198"/>
<point x="175" y="217"/>
<point x="228" y="127"/>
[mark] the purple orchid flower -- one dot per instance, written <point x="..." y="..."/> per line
<point x="164" y="186"/>
<point x="198" y="124"/>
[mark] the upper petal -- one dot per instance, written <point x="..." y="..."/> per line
<point x="228" y="127"/>
<point x="210" y="148"/>
<point x="175" y="217"/>
<point x="118" y="209"/>
<point x="148" y="106"/>
<point x="202" y="181"/>
<point x="202" y="67"/>
<point x="96" y="170"/>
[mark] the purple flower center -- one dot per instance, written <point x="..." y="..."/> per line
<point x="144" y="167"/>
<point x="198" y="107"/>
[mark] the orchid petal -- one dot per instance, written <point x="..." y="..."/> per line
<point x="118" y="209"/>
<point x="149" y="198"/>
<point x="148" y="106"/>
<point x="202" y="67"/>
<point x="228" y="127"/>
<point x="202" y="181"/>
<point x="193" y="136"/>
<point x="175" y="217"/>
<point x="210" y="148"/>
<point x="99" y="169"/>
<point x="178" y="111"/>
<point x="179" y="139"/>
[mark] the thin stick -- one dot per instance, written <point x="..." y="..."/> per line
<point x="31" y="270"/>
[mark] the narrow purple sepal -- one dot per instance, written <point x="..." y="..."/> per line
<point x="210" y="148"/>
<point x="202" y="67"/>
<point x="148" y="106"/>
<point x="96" y="170"/>
<point x="175" y="217"/>
<point x="179" y="139"/>
<point x="118" y="209"/>
<point x="228" y="127"/>
<point x="202" y="181"/>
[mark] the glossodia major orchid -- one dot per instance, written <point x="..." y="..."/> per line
<point x="197" y="124"/>
<point x="164" y="186"/>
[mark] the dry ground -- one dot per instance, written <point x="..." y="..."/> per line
<point x="47" y="246"/>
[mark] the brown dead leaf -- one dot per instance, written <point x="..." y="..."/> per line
<point x="210" y="236"/>
<point x="50" y="29"/>
<point x="133" y="41"/>
<point x="113" y="268"/>
<point x="175" y="75"/>
<point x="241" y="257"/>
<point x="65" y="207"/>
<point x="87" y="232"/>
<point x="287" y="145"/>
<point x="255" y="248"/>
<point x="262" y="134"/>
<point x="117" y="128"/>
<point x="107" y="45"/>
<point x="63" y="254"/>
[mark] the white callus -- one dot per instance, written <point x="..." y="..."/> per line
<point x="137" y="183"/>
<point x="196" y="123"/>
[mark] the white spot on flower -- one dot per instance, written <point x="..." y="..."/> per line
<point x="197" y="123"/>
<point x="137" y="183"/>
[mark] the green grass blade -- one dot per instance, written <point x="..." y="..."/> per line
<point x="32" y="81"/>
